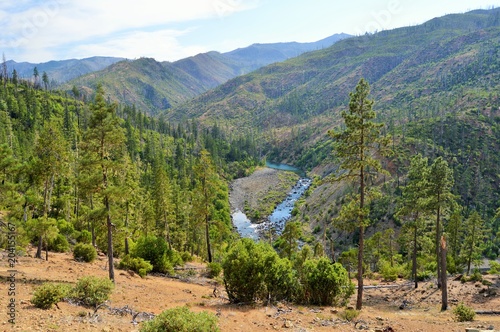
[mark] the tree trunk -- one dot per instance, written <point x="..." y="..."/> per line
<point x="438" y="236"/>
<point x="207" y="234"/>
<point x="110" y="241"/>
<point x="359" y="300"/>
<point x="444" y="288"/>
<point x="414" y="267"/>
<point x="39" y="248"/>
<point x="471" y="249"/>
<point x="46" y="250"/>
<point x="126" y="225"/>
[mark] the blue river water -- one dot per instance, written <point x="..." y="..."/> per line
<point x="281" y="214"/>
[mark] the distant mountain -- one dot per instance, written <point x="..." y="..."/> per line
<point x="64" y="70"/>
<point x="153" y="86"/>
<point x="448" y="64"/>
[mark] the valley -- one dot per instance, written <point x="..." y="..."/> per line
<point x="156" y="175"/>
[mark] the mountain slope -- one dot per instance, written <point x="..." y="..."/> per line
<point x="153" y="86"/>
<point x="64" y="70"/>
<point x="413" y="71"/>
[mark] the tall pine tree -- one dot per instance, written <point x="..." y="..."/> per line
<point x="355" y="147"/>
<point x="103" y="150"/>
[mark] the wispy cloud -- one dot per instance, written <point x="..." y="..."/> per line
<point x="34" y="27"/>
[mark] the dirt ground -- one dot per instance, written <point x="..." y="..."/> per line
<point x="154" y="294"/>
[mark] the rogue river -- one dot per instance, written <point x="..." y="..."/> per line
<point x="281" y="214"/>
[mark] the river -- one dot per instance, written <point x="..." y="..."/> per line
<point x="281" y="214"/>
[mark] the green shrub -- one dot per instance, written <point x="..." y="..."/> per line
<point x="180" y="319"/>
<point x="136" y="264"/>
<point x="463" y="313"/>
<point x="92" y="291"/>
<point x="326" y="283"/>
<point x="424" y="275"/>
<point x="244" y="271"/>
<point x="214" y="269"/>
<point x="154" y="250"/>
<point x="84" y="237"/>
<point x="348" y="314"/>
<point x="48" y="294"/>
<point x="475" y="276"/>
<point x="254" y="271"/>
<point x="84" y="252"/>
<point x="59" y="244"/>
<point x="186" y="256"/>
<point x="390" y="273"/>
<point x="494" y="267"/>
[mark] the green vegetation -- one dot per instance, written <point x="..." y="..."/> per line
<point x="354" y="147"/>
<point x="464" y="313"/>
<point x="136" y="264"/>
<point x="92" y="291"/>
<point x="84" y="252"/>
<point x="49" y="294"/>
<point x="254" y="272"/>
<point x="108" y="176"/>
<point x="181" y="319"/>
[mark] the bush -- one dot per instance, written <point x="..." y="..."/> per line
<point x="186" y="256"/>
<point x="92" y="291"/>
<point x="494" y="267"/>
<point x="349" y="314"/>
<point x="84" y="253"/>
<point x="214" y="269"/>
<point x="154" y="250"/>
<point x="390" y="273"/>
<point x="136" y="264"/>
<point x="244" y="271"/>
<point x="48" y="294"/>
<point x="59" y="244"/>
<point x="84" y="237"/>
<point x="476" y="276"/>
<point x="180" y="319"/>
<point x="326" y="283"/>
<point x="463" y="313"/>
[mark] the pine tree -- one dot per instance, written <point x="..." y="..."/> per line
<point x="206" y="192"/>
<point x="473" y="240"/>
<point x="52" y="159"/>
<point x="355" y="147"/>
<point x="412" y="207"/>
<point x="103" y="150"/>
<point x="440" y="182"/>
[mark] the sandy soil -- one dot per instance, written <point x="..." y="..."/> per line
<point x="154" y="294"/>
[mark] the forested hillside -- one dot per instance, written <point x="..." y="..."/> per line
<point x="71" y="171"/>
<point x="435" y="86"/>
<point x="154" y="86"/>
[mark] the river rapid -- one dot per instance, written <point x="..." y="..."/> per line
<point x="274" y="223"/>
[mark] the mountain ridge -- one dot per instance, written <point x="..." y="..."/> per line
<point x="194" y="75"/>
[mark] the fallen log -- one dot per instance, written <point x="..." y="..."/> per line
<point x="487" y="312"/>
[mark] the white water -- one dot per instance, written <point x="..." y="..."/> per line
<point x="281" y="214"/>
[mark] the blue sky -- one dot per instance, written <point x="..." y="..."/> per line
<point x="43" y="30"/>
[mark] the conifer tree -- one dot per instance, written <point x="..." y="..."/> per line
<point x="413" y="203"/>
<point x="52" y="159"/>
<point x="472" y="243"/>
<point x="355" y="147"/>
<point x="439" y="198"/>
<point x="103" y="151"/>
<point x="206" y="191"/>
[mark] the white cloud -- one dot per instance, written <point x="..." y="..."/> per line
<point x="161" y="45"/>
<point x="31" y="28"/>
